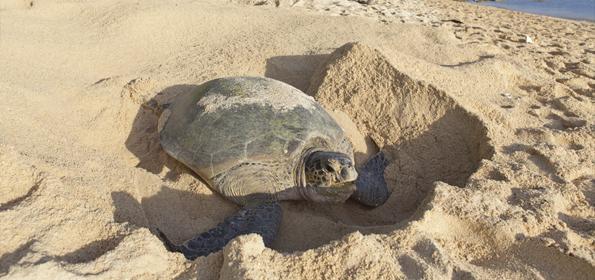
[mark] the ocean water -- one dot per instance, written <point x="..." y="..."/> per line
<point x="571" y="9"/>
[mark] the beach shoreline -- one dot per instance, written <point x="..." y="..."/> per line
<point x="573" y="10"/>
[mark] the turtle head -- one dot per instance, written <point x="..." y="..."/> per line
<point x="329" y="169"/>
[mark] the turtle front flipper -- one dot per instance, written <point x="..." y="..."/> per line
<point x="371" y="189"/>
<point x="263" y="219"/>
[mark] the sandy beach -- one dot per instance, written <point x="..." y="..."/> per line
<point x="487" y="116"/>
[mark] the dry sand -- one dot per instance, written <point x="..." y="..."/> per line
<point x="490" y="138"/>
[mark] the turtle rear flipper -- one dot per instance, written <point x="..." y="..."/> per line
<point x="263" y="219"/>
<point x="371" y="188"/>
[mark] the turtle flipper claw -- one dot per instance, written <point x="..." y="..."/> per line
<point x="263" y="219"/>
<point x="371" y="188"/>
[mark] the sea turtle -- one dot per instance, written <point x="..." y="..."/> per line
<point x="257" y="141"/>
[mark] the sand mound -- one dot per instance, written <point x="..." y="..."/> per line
<point x="427" y="134"/>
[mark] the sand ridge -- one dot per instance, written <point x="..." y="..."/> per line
<point x="83" y="178"/>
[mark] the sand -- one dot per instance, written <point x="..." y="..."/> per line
<point x="485" y="114"/>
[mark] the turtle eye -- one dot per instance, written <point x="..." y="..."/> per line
<point x="334" y="165"/>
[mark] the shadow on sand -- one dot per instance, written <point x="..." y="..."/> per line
<point x="143" y="140"/>
<point x="295" y="70"/>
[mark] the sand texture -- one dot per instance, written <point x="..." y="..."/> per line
<point x="487" y="117"/>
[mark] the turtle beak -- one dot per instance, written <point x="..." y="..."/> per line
<point x="347" y="174"/>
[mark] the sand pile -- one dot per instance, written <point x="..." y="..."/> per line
<point x="428" y="135"/>
<point x="490" y="138"/>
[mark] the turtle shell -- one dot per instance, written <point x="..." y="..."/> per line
<point x="240" y="120"/>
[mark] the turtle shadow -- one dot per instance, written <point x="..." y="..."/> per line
<point x="180" y="214"/>
<point x="143" y="139"/>
<point x="295" y="70"/>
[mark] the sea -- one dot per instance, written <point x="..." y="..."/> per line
<point x="570" y="9"/>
